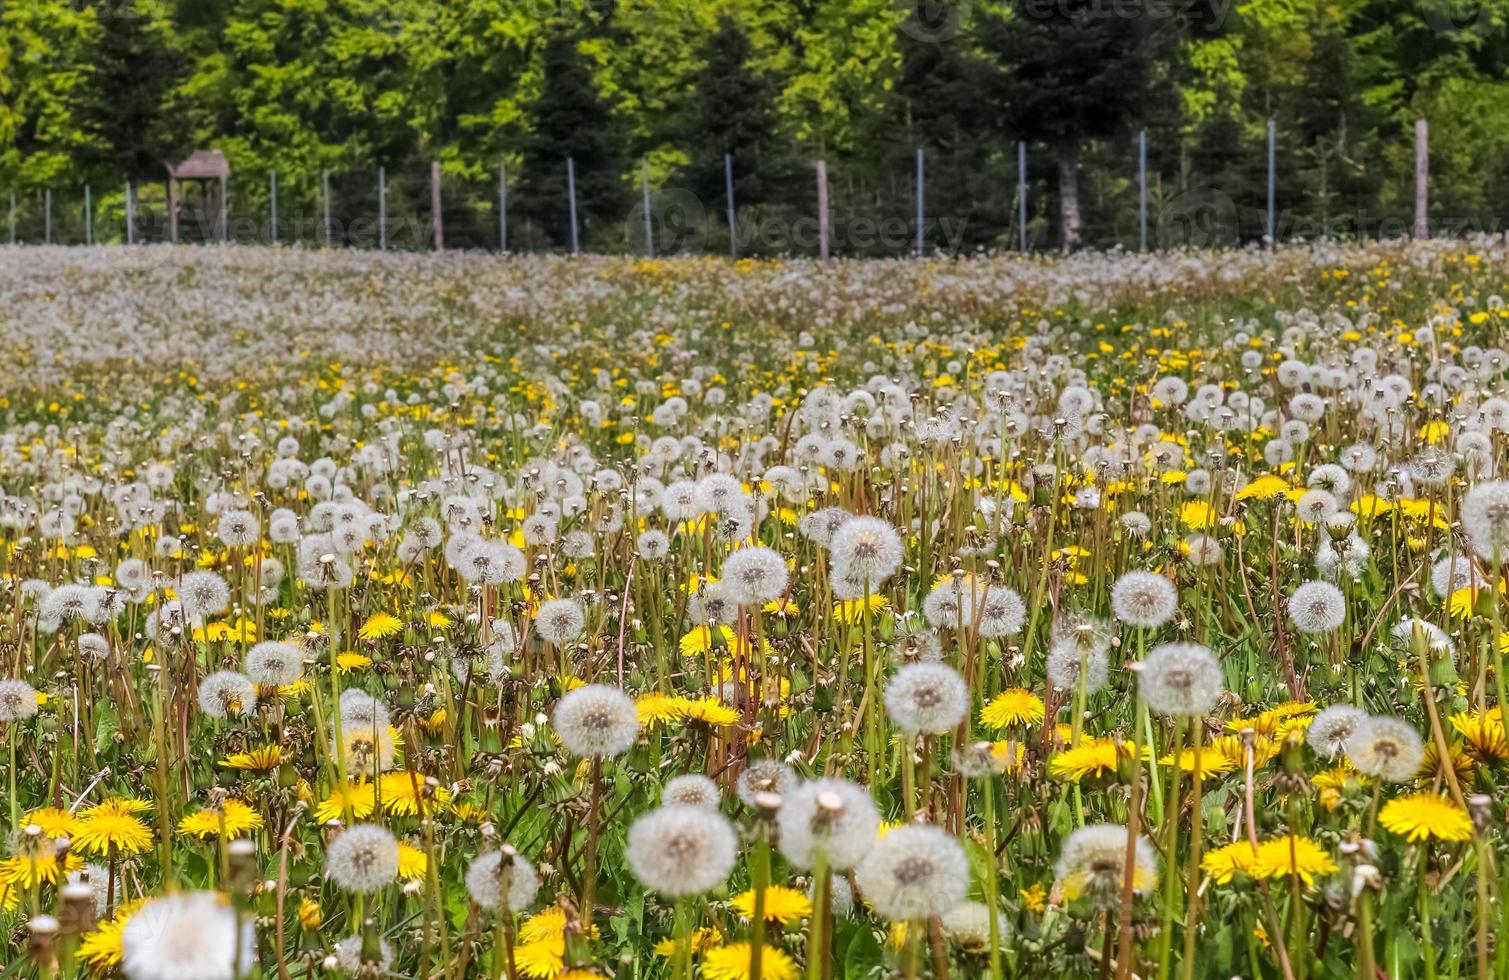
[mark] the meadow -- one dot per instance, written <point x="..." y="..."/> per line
<point x="1113" y="615"/>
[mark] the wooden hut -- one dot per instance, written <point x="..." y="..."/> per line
<point x="208" y="171"/>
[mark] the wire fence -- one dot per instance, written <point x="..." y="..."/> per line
<point x="922" y="201"/>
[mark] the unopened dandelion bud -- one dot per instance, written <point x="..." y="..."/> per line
<point x="76" y="908"/>
<point x="43" y="946"/>
<point x="1480" y="806"/>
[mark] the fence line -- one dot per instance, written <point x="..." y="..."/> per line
<point x="673" y="221"/>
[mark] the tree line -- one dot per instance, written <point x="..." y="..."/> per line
<point x="101" y="91"/>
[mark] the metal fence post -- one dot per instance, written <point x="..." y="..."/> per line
<point x="921" y="199"/>
<point x="1142" y="191"/>
<point x="325" y="199"/>
<point x="272" y="193"/>
<point x="382" y="208"/>
<point x="88" y="217"/>
<point x="649" y="221"/>
<point x="1272" y="181"/>
<point x="225" y="231"/>
<point x="576" y="241"/>
<point x="728" y="192"/>
<point x="1422" y="179"/>
<point x="130" y="215"/>
<point x="47" y="216"/>
<point x="822" y="210"/>
<point x="1021" y="194"/>
<point x="503" y="205"/>
<point x="436" y="217"/>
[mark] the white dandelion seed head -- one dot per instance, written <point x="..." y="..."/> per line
<point x="820" y="525"/>
<point x="1136" y="523"/>
<point x="1180" y="679"/>
<point x="348" y="953"/>
<point x="362" y="858"/>
<point x="867" y="549"/>
<point x="755" y="575"/>
<point x="914" y="872"/>
<point x="681" y="850"/>
<point x="926" y="697"/>
<point x="1202" y="550"/>
<point x="1455" y="572"/>
<point x="832" y="813"/>
<point x="1317" y="607"/>
<point x="18" y="700"/>
<point x="559" y="621"/>
<point x="1001" y="612"/>
<point x="1144" y="599"/>
<point x="1436" y="639"/>
<point x="272" y="663"/>
<point x="486" y="877"/>
<point x="187" y="936"/>
<point x="1092" y="863"/>
<point x="765" y="776"/>
<point x="968" y="924"/>
<point x="653" y="545"/>
<point x="1485" y="517"/>
<point x="596" y="720"/>
<point x="238" y="528"/>
<point x="691" y="789"/>
<point x="361" y="710"/>
<point x="1331" y="729"/>
<point x="1386" y="748"/>
<point x="1315" y="505"/>
<point x="226" y="693"/>
<point x="1076" y="645"/>
<point x="203" y="594"/>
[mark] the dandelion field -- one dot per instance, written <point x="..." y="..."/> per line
<point x="456" y="616"/>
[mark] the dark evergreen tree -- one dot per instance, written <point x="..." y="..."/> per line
<point x="733" y="112"/>
<point x="127" y="107"/>
<point x="1071" y="71"/>
<point x="570" y="119"/>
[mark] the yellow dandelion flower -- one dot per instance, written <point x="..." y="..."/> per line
<point x="1013" y="706"/>
<point x="1290" y="855"/>
<point x="361" y="798"/>
<point x="55" y="822"/>
<point x="709" y="711"/>
<point x="1034" y="898"/>
<point x="232" y="820"/>
<point x="40" y="866"/>
<point x="731" y="962"/>
<point x="102" y="830"/>
<point x="700" y="640"/>
<point x="701" y="939"/>
<point x="401" y="794"/>
<point x="1483" y="734"/>
<point x="101" y="948"/>
<point x="380" y="625"/>
<point x="348" y="662"/>
<point x="437" y="620"/>
<point x="541" y="960"/>
<point x="658" y="709"/>
<point x="1224" y="863"/>
<point x="412" y="862"/>
<point x="1212" y="764"/>
<point x="782" y="904"/>
<point x="1425" y="815"/>
<point x="1265" y="487"/>
<point x="1004" y="757"/>
<point x="119" y="804"/>
<point x="260" y="759"/>
<point x="1092" y="757"/>
<point x="311" y="916"/>
<point x="853" y="610"/>
<point x="549" y="923"/>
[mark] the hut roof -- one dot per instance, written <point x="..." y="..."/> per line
<point x="201" y="165"/>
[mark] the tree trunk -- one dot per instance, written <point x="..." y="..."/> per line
<point x="1067" y="156"/>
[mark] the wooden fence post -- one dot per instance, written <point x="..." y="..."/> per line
<point x="822" y="209"/>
